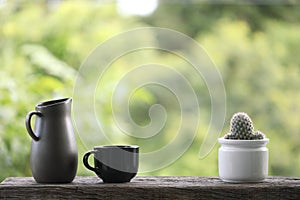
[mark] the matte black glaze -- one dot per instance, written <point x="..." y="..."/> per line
<point x="114" y="164"/>
<point x="53" y="155"/>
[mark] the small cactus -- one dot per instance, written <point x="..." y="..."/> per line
<point x="241" y="128"/>
<point x="258" y="135"/>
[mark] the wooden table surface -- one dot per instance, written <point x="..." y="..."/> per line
<point x="161" y="187"/>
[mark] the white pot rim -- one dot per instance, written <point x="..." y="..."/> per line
<point x="253" y="143"/>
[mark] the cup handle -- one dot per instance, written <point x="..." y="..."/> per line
<point x="86" y="162"/>
<point x="28" y="126"/>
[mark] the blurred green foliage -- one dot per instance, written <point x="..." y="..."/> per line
<point x="254" y="47"/>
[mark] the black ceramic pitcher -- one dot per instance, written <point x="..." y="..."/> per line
<point x="53" y="155"/>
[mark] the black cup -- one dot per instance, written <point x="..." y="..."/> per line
<point x="114" y="164"/>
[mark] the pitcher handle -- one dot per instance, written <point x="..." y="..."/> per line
<point x="86" y="162"/>
<point x="28" y="125"/>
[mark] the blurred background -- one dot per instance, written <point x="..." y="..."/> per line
<point x="254" y="46"/>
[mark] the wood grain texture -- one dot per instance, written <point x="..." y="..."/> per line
<point x="182" y="187"/>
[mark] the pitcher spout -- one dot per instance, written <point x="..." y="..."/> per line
<point x="62" y="105"/>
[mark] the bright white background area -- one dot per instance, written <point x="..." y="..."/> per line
<point x="136" y="7"/>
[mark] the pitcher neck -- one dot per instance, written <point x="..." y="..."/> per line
<point x="57" y="105"/>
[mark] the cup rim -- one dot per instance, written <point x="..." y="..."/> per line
<point x="120" y="146"/>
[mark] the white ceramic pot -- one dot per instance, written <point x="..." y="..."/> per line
<point x="243" y="160"/>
